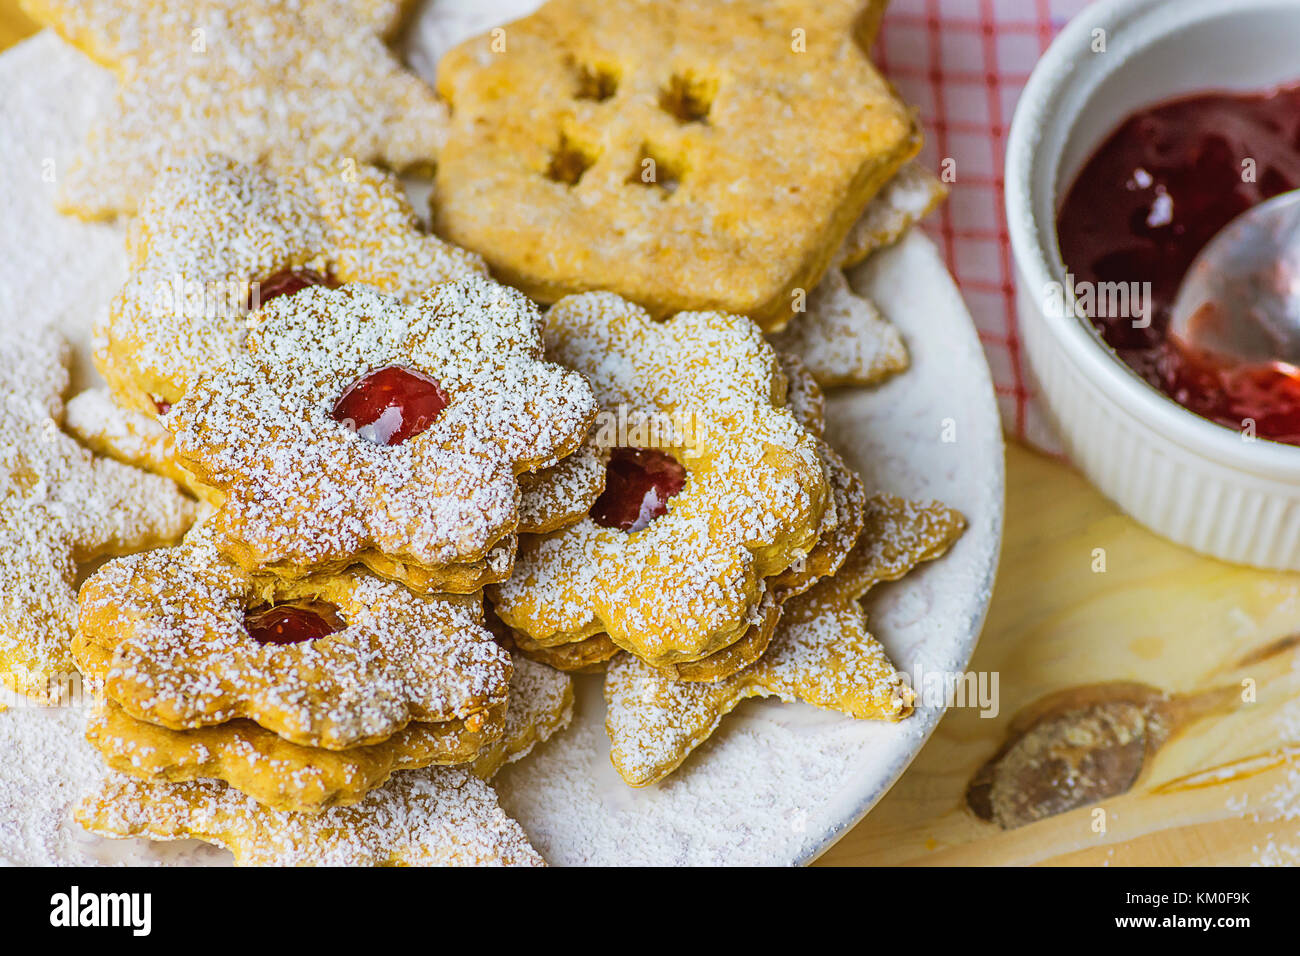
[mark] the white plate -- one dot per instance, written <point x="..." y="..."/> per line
<point x="777" y="783"/>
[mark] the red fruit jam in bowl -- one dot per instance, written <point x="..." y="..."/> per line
<point x="1146" y="203"/>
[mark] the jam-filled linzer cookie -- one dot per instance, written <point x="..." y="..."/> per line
<point x="432" y="816"/>
<point x="822" y="653"/>
<point x="185" y="638"/>
<point x="216" y="238"/>
<point x="277" y="79"/>
<point x="59" y="505"/>
<point x="686" y="154"/>
<point x="355" y="428"/>
<point x="717" y="488"/>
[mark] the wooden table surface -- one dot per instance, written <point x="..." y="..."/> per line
<point x="1174" y="733"/>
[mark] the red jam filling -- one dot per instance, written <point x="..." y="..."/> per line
<point x="285" y="283"/>
<point x="292" y="622"/>
<point x="638" y="485"/>
<point x="163" y="406"/>
<point x="1147" y="202"/>
<point x="390" y="405"/>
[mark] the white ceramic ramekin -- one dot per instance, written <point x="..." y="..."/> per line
<point x="1188" y="479"/>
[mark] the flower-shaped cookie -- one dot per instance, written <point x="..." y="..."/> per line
<point x="442" y="816"/>
<point x="841" y="526"/>
<point x="184" y="638"/>
<point x="355" y="425"/>
<point x="280" y="79"/>
<point x="216" y="237"/>
<point x="59" y="505"/>
<point x="685" y="154"/>
<point x="139" y="438"/>
<point x="697" y="512"/>
<point x="822" y="653"/>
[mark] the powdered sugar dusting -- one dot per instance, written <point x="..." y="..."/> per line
<point x="821" y="654"/>
<point x="49" y="93"/>
<point x="778" y="781"/>
<point x="908" y="198"/>
<point x="541" y="705"/>
<point x="131" y="436"/>
<point x="564" y="493"/>
<point x="842" y="338"/>
<point x="47" y="761"/>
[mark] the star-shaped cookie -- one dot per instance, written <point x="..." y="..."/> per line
<point x="59" y="505"/>
<point x="822" y="653"/>
<point x="444" y="816"/>
<point x="279" y="79"/>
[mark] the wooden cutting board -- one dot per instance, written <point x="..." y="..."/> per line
<point x="1174" y="733"/>
<point x="1148" y="753"/>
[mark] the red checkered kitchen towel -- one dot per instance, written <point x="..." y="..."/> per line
<point x="963" y="63"/>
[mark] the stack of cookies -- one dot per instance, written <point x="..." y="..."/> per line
<point x="416" y="503"/>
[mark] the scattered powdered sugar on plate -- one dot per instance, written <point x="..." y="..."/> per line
<point x="46" y="762"/>
<point x="779" y="782"/>
<point x="47" y="766"/>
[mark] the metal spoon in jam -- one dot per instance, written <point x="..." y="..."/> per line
<point x="1241" y="297"/>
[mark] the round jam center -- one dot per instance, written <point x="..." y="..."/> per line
<point x="390" y="405"/>
<point x="1146" y="203"/>
<point x="638" y="485"/>
<point x="292" y="622"/>
<point x="285" y="283"/>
